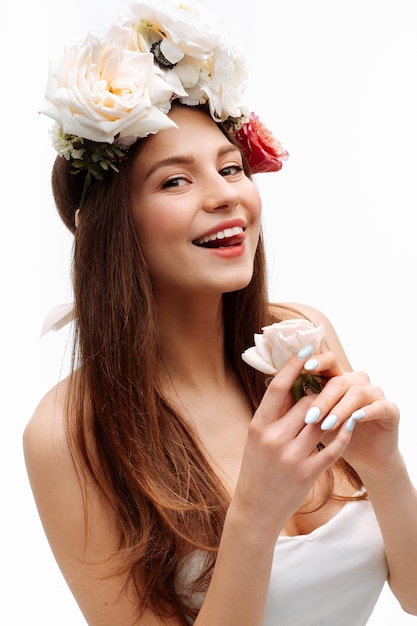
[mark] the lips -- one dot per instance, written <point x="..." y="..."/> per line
<point x="222" y="239"/>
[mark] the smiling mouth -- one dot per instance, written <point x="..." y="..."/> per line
<point x="222" y="239"/>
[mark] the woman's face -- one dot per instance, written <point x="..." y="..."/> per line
<point x="197" y="213"/>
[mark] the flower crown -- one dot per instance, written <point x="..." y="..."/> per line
<point x="106" y="92"/>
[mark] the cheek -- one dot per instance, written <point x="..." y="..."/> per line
<point x="160" y="232"/>
<point x="257" y="201"/>
<point x="158" y="224"/>
<point x="254" y="202"/>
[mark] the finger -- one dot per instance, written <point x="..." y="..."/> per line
<point x="354" y="404"/>
<point x="290" y="424"/>
<point x="311" y="461"/>
<point x="340" y="397"/>
<point x="324" y="363"/>
<point x="383" y="411"/>
<point x="277" y="399"/>
<point x="327" y="456"/>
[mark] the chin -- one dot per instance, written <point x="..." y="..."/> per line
<point x="236" y="285"/>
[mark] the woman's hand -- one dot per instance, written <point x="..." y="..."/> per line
<point x="350" y="401"/>
<point x="280" y="462"/>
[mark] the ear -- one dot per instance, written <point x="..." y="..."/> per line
<point x="77" y="218"/>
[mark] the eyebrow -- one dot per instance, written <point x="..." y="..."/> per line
<point x="186" y="160"/>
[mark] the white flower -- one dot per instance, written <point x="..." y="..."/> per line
<point x="195" y="52"/>
<point x="190" y="25"/>
<point x="224" y="87"/>
<point x="98" y="90"/>
<point x="64" y="144"/>
<point x="280" y="341"/>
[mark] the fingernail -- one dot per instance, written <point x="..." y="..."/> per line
<point x="350" y="423"/>
<point x="304" y="352"/>
<point x="312" y="415"/>
<point x="358" y="415"/>
<point x="311" y="364"/>
<point x="329" y="422"/>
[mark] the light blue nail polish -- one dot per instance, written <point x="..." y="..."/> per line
<point x="329" y="422"/>
<point x="358" y="415"/>
<point x="312" y="415"/>
<point x="311" y="364"/>
<point x="305" y="352"/>
<point x="350" y="424"/>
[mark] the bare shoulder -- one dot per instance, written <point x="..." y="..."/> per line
<point x="81" y="527"/>
<point x="53" y="476"/>
<point x="44" y="435"/>
<point x="290" y="310"/>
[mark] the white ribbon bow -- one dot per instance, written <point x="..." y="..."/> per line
<point x="60" y="316"/>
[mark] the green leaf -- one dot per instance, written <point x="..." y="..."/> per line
<point x="307" y="384"/>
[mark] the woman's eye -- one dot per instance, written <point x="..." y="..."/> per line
<point x="231" y="170"/>
<point x="176" y="181"/>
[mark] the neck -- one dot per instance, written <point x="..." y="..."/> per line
<point x="192" y="340"/>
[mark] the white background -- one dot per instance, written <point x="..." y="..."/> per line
<point x="335" y="80"/>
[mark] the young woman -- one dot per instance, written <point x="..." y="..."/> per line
<point x="177" y="484"/>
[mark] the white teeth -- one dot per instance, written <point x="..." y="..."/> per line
<point x="222" y="234"/>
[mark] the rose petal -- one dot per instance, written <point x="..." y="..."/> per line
<point x="262" y="150"/>
<point x="282" y="349"/>
<point x="262" y="347"/>
<point x="171" y="51"/>
<point x="279" y="341"/>
<point x="252" y="358"/>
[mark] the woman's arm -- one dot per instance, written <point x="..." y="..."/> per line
<point x="278" y="469"/>
<point x="374" y="454"/>
<point x="80" y="543"/>
<point x="394" y="499"/>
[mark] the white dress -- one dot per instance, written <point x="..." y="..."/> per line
<point x="331" y="577"/>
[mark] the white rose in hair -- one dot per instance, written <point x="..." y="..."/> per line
<point x="190" y="25"/>
<point x="99" y="90"/>
<point x="195" y="52"/>
<point x="224" y="86"/>
<point x="279" y="342"/>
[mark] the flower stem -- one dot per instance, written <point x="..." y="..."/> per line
<point x="307" y="384"/>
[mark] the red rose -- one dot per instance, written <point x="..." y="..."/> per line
<point x="261" y="149"/>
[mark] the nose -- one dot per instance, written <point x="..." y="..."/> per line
<point x="219" y="194"/>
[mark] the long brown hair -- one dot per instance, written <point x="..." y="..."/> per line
<point x="140" y="452"/>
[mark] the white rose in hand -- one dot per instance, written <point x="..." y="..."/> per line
<point x="279" y="342"/>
